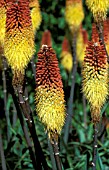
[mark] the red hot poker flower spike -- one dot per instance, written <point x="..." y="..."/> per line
<point x="49" y="92"/>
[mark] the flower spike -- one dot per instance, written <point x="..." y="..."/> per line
<point x="49" y="92"/>
<point x="19" y="39"/>
<point x="95" y="76"/>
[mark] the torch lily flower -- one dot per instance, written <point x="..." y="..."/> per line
<point x="95" y="75"/>
<point x="49" y="92"/>
<point x="19" y="36"/>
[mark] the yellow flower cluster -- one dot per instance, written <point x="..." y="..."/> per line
<point x="81" y="43"/>
<point x="35" y="14"/>
<point x="74" y="14"/>
<point x="66" y="56"/>
<point x="2" y="24"/>
<point x="50" y="109"/>
<point x="98" y="8"/>
<point x="66" y="60"/>
<point x="19" y="37"/>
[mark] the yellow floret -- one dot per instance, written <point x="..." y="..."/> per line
<point x="35" y="14"/>
<point x="2" y="25"/>
<point x="19" y="49"/>
<point x="66" y="60"/>
<point x="95" y="88"/>
<point x="50" y="109"/>
<point x="98" y="8"/>
<point x="74" y="15"/>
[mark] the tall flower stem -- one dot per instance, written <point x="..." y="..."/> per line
<point x="38" y="150"/>
<point x="2" y="153"/>
<point x="5" y="103"/>
<point x="101" y="37"/>
<point x="84" y="111"/>
<point x="19" y="113"/>
<point x="70" y="102"/>
<point x="52" y="155"/>
<point x="14" y="115"/>
<point x="95" y="145"/>
<point x="29" y="118"/>
<point x="56" y="154"/>
<point x="33" y="66"/>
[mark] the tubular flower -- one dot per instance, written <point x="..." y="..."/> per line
<point x="82" y="40"/>
<point x="95" y="77"/>
<point x="2" y="24"/>
<point x="98" y="8"/>
<point x="66" y="56"/>
<point x="46" y="39"/>
<point x="74" y="14"/>
<point x="19" y="39"/>
<point x="35" y="14"/>
<point x="49" y="92"/>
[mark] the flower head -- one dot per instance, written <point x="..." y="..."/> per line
<point x="98" y="8"/>
<point x="49" y="92"/>
<point x="95" y="76"/>
<point x="74" y="14"/>
<point x="35" y="14"/>
<point x="66" y="56"/>
<point x="19" y="38"/>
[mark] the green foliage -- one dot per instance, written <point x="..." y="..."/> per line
<point x="78" y="153"/>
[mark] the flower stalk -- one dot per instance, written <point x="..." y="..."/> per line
<point x="95" y="75"/>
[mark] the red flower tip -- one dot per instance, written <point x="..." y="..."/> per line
<point x="22" y="17"/>
<point x="46" y="38"/>
<point x="85" y="36"/>
<point x="47" y="70"/>
<point x="65" y="45"/>
<point x="95" y="36"/>
<point x="69" y="2"/>
<point x="106" y="30"/>
<point x="95" y="56"/>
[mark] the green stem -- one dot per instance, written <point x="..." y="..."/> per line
<point x="95" y="145"/>
<point x="70" y="102"/>
<point x="56" y="155"/>
<point x="52" y="155"/>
